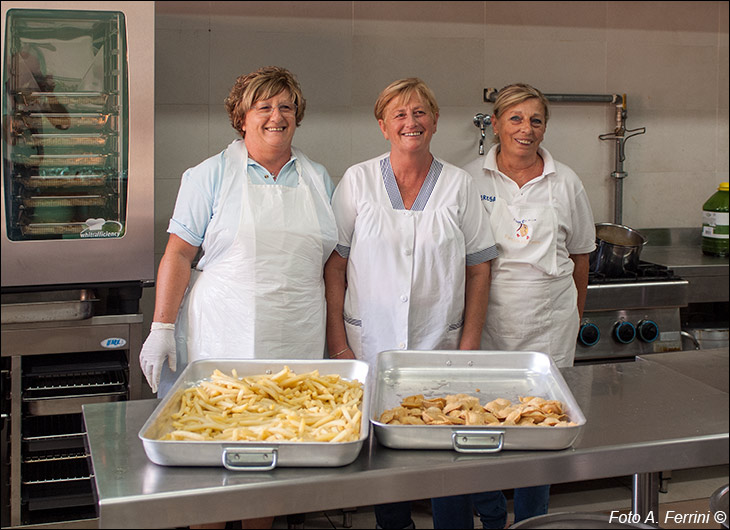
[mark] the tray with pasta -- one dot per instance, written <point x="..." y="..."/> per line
<point x="256" y="415"/>
<point x="473" y="401"/>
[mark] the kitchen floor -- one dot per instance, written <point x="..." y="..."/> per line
<point x="687" y="497"/>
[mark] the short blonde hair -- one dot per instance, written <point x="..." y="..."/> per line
<point x="264" y="83"/>
<point x="403" y="90"/>
<point x="514" y="94"/>
<point x="517" y="93"/>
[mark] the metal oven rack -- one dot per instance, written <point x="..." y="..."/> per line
<point x="50" y="370"/>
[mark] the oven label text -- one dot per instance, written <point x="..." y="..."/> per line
<point x="114" y="342"/>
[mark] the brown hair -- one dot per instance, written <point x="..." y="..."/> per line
<point x="404" y="90"/>
<point x="264" y="83"/>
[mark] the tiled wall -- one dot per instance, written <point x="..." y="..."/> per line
<point x="670" y="58"/>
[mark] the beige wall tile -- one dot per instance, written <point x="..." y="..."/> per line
<point x="325" y="136"/>
<point x="670" y="58"/>
<point x="165" y="196"/>
<point x="574" y="21"/>
<point x="722" y="142"/>
<point x="221" y="130"/>
<point x="321" y="63"/>
<point x="675" y="23"/>
<point x="722" y="75"/>
<point x="686" y="130"/>
<point x="451" y="67"/>
<point x="405" y="12"/>
<point x="653" y="199"/>
<point x="181" y="66"/>
<point x="408" y="19"/>
<point x="181" y="139"/>
<point x="561" y="67"/>
<point x="661" y="76"/>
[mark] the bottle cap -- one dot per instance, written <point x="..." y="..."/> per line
<point x="724" y="186"/>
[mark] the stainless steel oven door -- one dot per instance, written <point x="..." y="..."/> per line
<point x="78" y="158"/>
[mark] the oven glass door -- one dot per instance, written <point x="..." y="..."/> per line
<point x="65" y="115"/>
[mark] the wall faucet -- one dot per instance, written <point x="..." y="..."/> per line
<point x="482" y="121"/>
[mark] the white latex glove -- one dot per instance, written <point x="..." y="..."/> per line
<point x="160" y="345"/>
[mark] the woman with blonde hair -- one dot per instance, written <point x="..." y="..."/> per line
<point x="411" y="267"/>
<point x="543" y="225"/>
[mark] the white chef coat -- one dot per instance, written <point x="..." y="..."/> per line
<point x="262" y="296"/>
<point x="533" y="299"/>
<point x="406" y="268"/>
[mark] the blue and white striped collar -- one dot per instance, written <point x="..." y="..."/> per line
<point x="391" y="186"/>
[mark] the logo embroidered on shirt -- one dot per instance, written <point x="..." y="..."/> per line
<point x="523" y="229"/>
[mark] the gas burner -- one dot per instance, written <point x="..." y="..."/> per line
<point x="632" y="315"/>
<point x="650" y="272"/>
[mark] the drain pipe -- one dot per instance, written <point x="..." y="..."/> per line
<point x="619" y="135"/>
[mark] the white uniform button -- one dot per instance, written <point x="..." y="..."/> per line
<point x="402" y="345"/>
<point x="408" y="252"/>
<point x="403" y="298"/>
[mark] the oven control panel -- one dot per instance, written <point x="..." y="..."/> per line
<point x="612" y="335"/>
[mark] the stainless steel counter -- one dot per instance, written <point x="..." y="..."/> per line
<point x="633" y="409"/>
<point x="708" y="366"/>
<point x="680" y="249"/>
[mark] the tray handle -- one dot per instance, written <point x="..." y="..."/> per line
<point x="250" y="459"/>
<point x="482" y="441"/>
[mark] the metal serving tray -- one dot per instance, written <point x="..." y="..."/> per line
<point x="91" y="121"/>
<point x="70" y="101"/>
<point x="484" y="374"/>
<point x="64" y="181"/>
<point x="82" y="142"/>
<point x="49" y="306"/>
<point x="252" y="456"/>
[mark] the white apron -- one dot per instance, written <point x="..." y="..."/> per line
<point x="264" y="297"/>
<point x="411" y="278"/>
<point x="530" y="314"/>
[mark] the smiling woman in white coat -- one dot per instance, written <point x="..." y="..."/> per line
<point x="412" y="265"/>
<point x="543" y="225"/>
<point x="260" y="212"/>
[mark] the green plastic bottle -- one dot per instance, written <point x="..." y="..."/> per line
<point x="715" y="231"/>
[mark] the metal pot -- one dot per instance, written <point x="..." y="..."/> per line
<point x="617" y="251"/>
<point x="708" y="338"/>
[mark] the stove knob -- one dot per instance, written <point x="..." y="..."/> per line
<point x="648" y="330"/>
<point x="624" y="332"/>
<point x="589" y="334"/>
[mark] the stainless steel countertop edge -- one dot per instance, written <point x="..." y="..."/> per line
<point x="159" y="496"/>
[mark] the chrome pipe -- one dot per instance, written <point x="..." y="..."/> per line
<point x="490" y="95"/>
